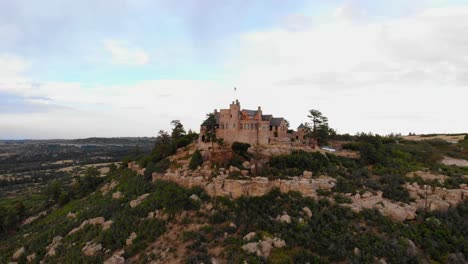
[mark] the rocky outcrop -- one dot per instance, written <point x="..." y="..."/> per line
<point x="137" y="201"/>
<point x="91" y="249"/>
<point x="93" y="221"/>
<point x="115" y="259"/>
<point x="106" y="225"/>
<point x="249" y="236"/>
<point x="391" y="209"/>
<point x="436" y="198"/>
<point x="52" y="247"/>
<point x="71" y="215"/>
<point x="20" y="252"/>
<point x="285" y="218"/>
<point x="263" y="247"/>
<point x="129" y="240"/>
<point x="31" y="219"/>
<point x="31" y="258"/>
<point x="439" y="198"/>
<point x="256" y="186"/>
<point x="135" y="167"/>
<point x="109" y="187"/>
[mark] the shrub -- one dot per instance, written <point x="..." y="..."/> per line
<point x="162" y="165"/>
<point x="341" y="199"/>
<point x="196" y="160"/>
<point x="240" y="148"/>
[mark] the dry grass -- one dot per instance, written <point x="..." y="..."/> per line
<point x="448" y="138"/>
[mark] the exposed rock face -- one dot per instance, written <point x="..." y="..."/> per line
<point x="135" y="167"/>
<point x="137" y="201"/>
<point x="31" y="219"/>
<point x="396" y="211"/>
<point x="438" y="199"/>
<point x="20" y="252"/>
<point x="115" y="259"/>
<point x="256" y="186"/>
<point x="91" y="249"/>
<point x="427" y="176"/>
<point x="130" y="239"/>
<point x="109" y="187"/>
<point x="93" y="221"/>
<point x="52" y="247"/>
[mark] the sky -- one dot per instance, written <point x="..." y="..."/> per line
<point x="112" y="68"/>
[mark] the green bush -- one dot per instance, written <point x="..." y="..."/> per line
<point x="162" y="165"/>
<point x="196" y="160"/>
<point x="341" y="199"/>
<point x="240" y="148"/>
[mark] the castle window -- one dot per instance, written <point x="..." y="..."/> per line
<point x="222" y="125"/>
<point x="233" y="125"/>
<point x="227" y="125"/>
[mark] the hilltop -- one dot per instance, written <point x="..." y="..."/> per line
<point x="361" y="199"/>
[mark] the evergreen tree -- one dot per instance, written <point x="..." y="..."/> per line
<point x="196" y="160"/>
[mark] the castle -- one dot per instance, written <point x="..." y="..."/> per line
<point x="252" y="127"/>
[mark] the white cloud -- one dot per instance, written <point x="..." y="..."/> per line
<point x="124" y="53"/>
<point x="354" y="70"/>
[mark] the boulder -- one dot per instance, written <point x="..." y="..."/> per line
<point x="439" y="205"/>
<point x="117" y="195"/>
<point x="366" y="195"/>
<point x="97" y="221"/>
<point x="130" y="239"/>
<point x="278" y="243"/>
<point x="90" y="249"/>
<point x="52" y="247"/>
<point x="250" y="247"/>
<point x="285" y="218"/>
<point x="244" y="172"/>
<point x="31" y="257"/>
<point x="234" y="169"/>
<point x="115" y="259"/>
<point x="20" y="252"/>
<point x="307" y="174"/>
<point x="106" y="225"/>
<point x="307" y="212"/>
<point x="246" y="164"/>
<point x="249" y="236"/>
<point x="195" y="198"/>
<point x="137" y="201"/>
<point x="265" y="248"/>
<point x="71" y="215"/>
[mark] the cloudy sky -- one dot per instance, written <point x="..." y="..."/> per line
<point x="73" y="69"/>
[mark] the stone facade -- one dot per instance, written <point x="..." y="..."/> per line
<point x="251" y="126"/>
